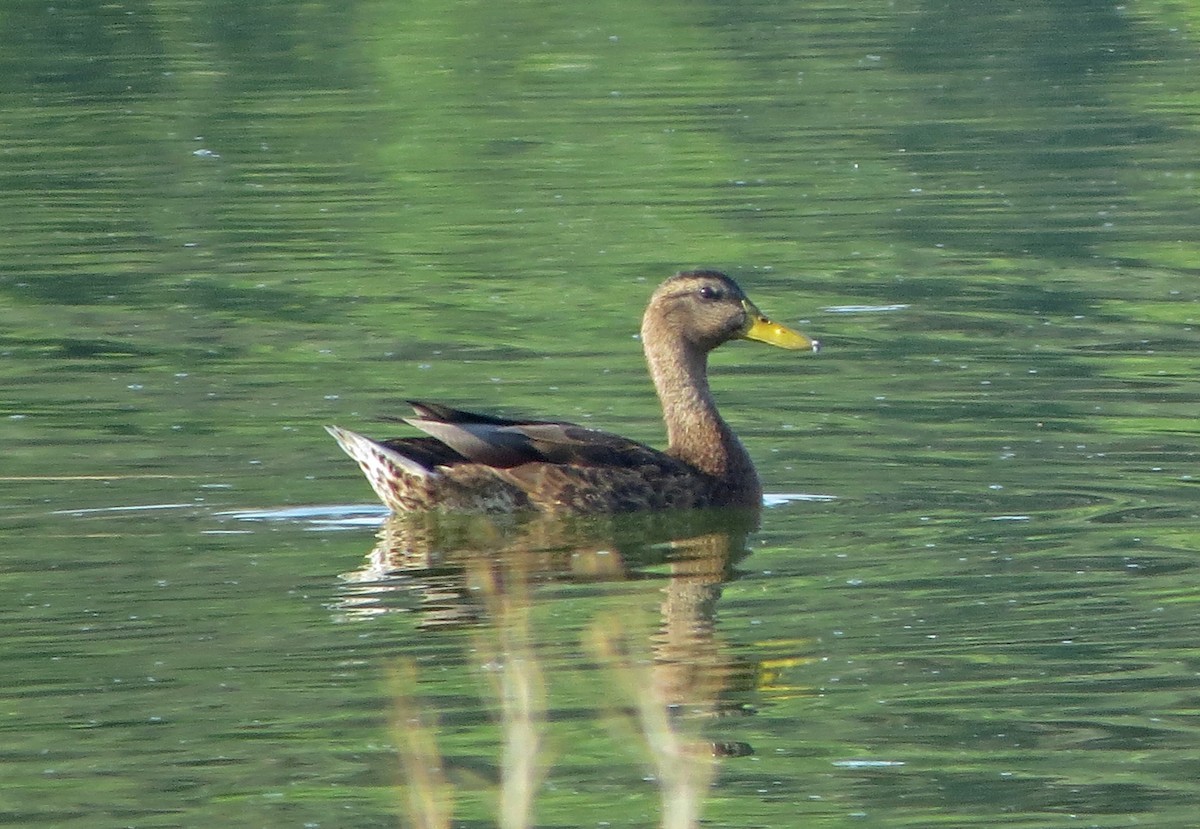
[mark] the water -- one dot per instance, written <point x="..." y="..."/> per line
<point x="971" y="599"/>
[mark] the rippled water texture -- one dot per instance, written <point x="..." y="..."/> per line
<point x="971" y="598"/>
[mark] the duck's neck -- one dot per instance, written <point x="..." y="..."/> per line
<point x="695" y="431"/>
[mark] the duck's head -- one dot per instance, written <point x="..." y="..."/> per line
<point x="704" y="309"/>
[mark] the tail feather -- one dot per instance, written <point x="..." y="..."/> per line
<point x="423" y="474"/>
<point x="369" y="453"/>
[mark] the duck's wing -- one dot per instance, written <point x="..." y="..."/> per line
<point x="481" y="463"/>
<point x="503" y="444"/>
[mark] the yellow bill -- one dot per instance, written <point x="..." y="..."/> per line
<point x="762" y="330"/>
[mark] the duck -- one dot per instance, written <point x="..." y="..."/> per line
<point x="478" y="463"/>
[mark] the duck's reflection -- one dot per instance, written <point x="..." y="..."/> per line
<point x="447" y="568"/>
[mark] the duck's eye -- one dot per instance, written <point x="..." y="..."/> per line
<point x="708" y="292"/>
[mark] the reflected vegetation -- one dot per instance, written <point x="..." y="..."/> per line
<point x="452" y="569"/>
<point x="482" y="571"/>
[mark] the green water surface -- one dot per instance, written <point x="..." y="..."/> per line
<point x="223" y="225"/>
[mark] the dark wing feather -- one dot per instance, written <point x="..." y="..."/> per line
<point x="428" y="452"/>
<point x="445" y="414"/>
<point x="567" y="443"/>
<point x="503" y="443"/>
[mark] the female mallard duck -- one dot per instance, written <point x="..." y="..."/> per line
<point x="478" y="463"/>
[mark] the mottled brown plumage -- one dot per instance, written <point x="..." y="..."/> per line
<point x="479" y="463"/>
